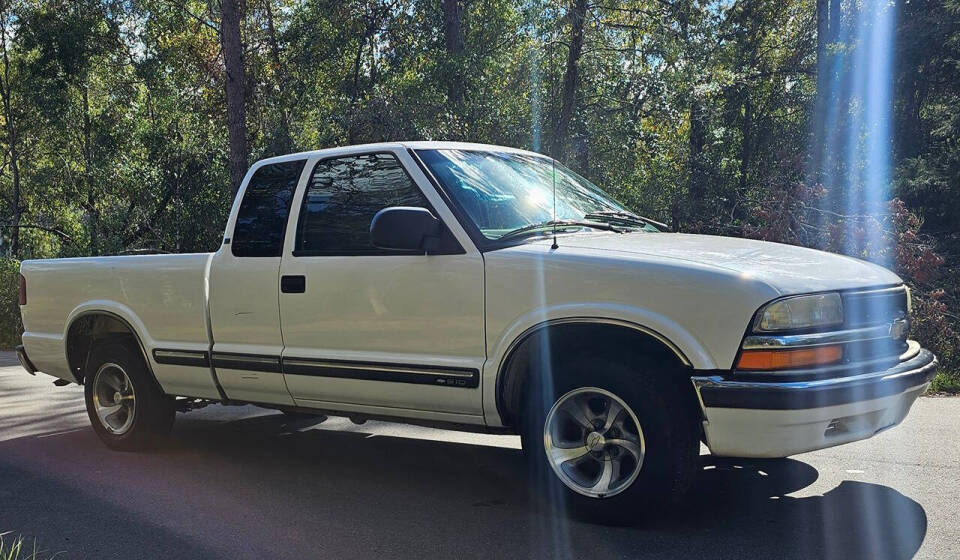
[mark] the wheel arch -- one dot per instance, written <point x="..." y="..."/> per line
<point x="92" y="324"/>
<point x="555" y="336"/>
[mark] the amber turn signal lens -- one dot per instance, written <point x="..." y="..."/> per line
<point x="782" y="359"/>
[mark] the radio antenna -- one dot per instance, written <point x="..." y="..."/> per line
<point x="553" y="165"/>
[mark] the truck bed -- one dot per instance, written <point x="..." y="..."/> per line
<point x="162" y="297"/>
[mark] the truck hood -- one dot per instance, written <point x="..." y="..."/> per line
<point x="787" y="269"/>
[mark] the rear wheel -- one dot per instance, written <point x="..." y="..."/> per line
<point x="609" y="439"/>
<point x="126" y="407"/>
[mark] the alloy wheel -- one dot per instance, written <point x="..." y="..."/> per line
<point x="594" y="442"/>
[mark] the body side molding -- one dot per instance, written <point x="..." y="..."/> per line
<point x="198" y="358"/>
<point x="376" y="371"/>
<point x="371" y="371"/>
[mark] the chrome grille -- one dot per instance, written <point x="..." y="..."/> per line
<point x="864" y="308"/>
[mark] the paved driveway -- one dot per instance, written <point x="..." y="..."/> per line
<point x="239" y="482"/>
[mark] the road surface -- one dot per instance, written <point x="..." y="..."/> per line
<point x="240" y="482"/>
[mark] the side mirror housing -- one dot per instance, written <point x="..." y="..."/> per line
<point x="404" y="228"/>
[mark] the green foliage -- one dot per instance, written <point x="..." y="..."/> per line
<point x="10" y="326"/>
<point x="701" y="114"/>
<point x="17" y="549"/>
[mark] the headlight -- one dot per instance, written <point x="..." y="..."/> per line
<point x="800" y="312"/>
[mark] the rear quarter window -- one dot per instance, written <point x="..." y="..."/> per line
<point x="262" y="218"/>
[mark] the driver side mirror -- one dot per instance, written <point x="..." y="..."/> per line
<point x="404" y="228"/>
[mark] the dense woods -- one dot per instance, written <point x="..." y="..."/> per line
<point x="127" y="125"/>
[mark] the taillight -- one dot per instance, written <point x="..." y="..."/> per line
<point x="23" y="290"/>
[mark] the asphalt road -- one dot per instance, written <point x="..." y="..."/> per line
<point x="239" y="482"/>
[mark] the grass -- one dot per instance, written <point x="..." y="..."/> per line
<point x="15" y="550"/>
<point x="18" y="549"/>
<point x="946" y="382"/>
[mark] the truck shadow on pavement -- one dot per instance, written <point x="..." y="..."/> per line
<point x="258" y="487"/>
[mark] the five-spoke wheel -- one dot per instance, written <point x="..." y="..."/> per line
<point x="609" y="435"/>
<point x="594" y="442"/>
<point x="126" y="406"/>
<point x="114" y="398"/>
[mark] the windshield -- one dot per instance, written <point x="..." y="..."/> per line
<point x="503" y="192"/>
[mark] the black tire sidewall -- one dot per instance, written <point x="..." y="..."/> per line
<point x="154" y="412"/>
<point x="668" y="423"/>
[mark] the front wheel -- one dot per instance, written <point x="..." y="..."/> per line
<point x="609" y="439"/>
<point x="126" y="407"/>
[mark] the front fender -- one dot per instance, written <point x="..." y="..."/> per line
<point x="689" y="350"/>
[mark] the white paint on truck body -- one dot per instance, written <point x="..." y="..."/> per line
<point x="462" y="312"/>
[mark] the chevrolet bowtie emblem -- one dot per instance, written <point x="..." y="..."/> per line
<point x="899" y="328"/>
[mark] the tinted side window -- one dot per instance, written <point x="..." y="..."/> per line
<point x="342" y="197"/>
<point x="262" y="219"/>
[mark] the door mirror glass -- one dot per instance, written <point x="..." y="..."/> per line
<point x="404" y="228"/>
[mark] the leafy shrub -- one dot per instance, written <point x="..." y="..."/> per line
<point x="10" y="326"/>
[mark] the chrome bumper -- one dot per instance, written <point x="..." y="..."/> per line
<point x="777" y="419"/>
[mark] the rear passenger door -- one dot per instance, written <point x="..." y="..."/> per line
<point x="369" y="329"/>
<point x="244" y="286"/>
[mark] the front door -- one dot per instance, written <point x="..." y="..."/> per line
<point x="370" y="328"/>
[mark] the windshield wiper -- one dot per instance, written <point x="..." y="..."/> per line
<point x="625" y="217"/>
<point x="559" y="224"/>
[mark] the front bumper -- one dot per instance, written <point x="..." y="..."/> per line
<point x="778" y="419"/>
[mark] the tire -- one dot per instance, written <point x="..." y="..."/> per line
<point x="665" y="446"/>
<point x="115" y="373"/>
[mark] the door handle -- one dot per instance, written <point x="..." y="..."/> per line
<point x="293" y="284"/>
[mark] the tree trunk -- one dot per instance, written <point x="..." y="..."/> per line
<point x="823" y="38"/>
<point x="823" y="33"/>
<point x="697" y="140"/>
<point x="235" y="91"/>
<point x="833" y="26"/>
<point x="453" y="37"/>
<point x="92" y="212"/>
<point x="286" y="141"/>
<point x="911" y="88"/>
<point x="697" y="137"/>
<point x="746" y="145"/>
<point x="823" y="78"/>
<point x="571" y="78"/>
<point x="16" y="208"/>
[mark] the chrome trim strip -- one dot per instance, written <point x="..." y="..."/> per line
<point x="188" y="354"/>
<point x="244" y="358"/>
<point x="196" y="358"/>
<point x="771" y="342"/>
<point x="384" y="372"/>
<point x="371" y="367"/>
<point x="250" y="362"/>
<point x="892" y="289"/>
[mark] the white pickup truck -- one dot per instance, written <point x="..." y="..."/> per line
<point x="486" y="288"/>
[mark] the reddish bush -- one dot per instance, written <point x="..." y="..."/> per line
<point x="792" y="213"/>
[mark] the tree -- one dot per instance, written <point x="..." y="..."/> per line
<point x="577" y="14"/>
<point x="235" y="89"/>
<point x="11" y="127"/>
<point x="453" y="38"/>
